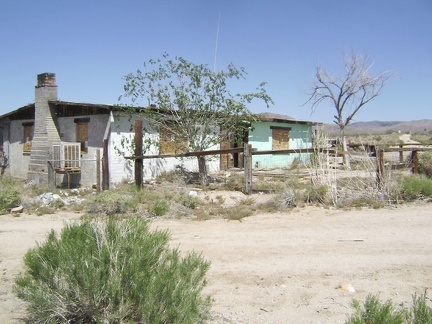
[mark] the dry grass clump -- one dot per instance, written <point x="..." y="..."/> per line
<point x="237" y="213"/>
<point x="9" y="194"/>
<point x="333" y="186"/>
<point x="291" y="197"/>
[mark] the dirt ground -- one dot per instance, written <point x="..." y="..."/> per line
<point x="275" y="268"/>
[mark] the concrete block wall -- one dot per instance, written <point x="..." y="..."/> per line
<point x="45" y="129"/>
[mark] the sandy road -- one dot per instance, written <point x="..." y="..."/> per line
<point x="276" y="268"/>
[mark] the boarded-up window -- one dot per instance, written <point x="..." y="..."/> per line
<point x="280" y="138"/>
<point x="169" y="143"/>
<point x="82" y="136"/>
<point x="28" y="137"/>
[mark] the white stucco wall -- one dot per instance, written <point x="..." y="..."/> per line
<point x="122" y="169"/>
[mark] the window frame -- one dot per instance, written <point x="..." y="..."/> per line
<point x="168" y="142"/>
<point x="82" y="133"/>
<point x="277" y="133"/>
<point x="28" y="133"/>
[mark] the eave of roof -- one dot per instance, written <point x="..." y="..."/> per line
<point x="83" y="104"/>
<point x="278" y="118"/>
<point x="31" y="105"/>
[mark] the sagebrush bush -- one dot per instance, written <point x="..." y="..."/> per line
<point x="415" y="187"/>
<point x="425" y="164"/>
<point x="158" y="207"/>
<point x="9" y="194"/>
<point x="374" y="311"/>
<point x="112" y="272"/>
<point x="420" y="311"/>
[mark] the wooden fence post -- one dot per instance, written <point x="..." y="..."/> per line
<point x="247" y="158"/>
<point x="380" y="166"/>
<point x="105" y="166"/>
<point x="401" y="161"/>
<point x="414" y="159"/>
<point x="51" y="176"/>
<point x="98" y="170"/>
<point x="138" y="153"/>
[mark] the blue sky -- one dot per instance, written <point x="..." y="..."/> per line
<point x="92" y="44"/>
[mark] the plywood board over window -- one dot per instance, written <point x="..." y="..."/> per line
<point x="82" y="133"/>
<point x="169" y="143"/>
<point x="28" y="136"/>
<point x="280" y="138"/>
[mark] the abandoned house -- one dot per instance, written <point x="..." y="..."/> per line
<point x="62" y="142"/>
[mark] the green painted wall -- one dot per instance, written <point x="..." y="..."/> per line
<point x="260" y="138"/>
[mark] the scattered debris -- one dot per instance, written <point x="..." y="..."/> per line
<point x="347" y="287"/>
<point x="17" y="210"/>
<point x="47" y="198"/>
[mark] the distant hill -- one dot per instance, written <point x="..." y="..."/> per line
<point x="380" y="127"/>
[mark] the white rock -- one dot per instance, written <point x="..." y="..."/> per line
<point x="193" y="193"/>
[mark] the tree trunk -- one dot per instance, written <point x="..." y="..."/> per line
<point x="346" y="160"/>
<point x="202" y="167"/>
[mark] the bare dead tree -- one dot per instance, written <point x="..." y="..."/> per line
<point x="349" y="92"/>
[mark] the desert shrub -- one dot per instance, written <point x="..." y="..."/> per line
<point x="248" y="201"/>
<point x="374" y="311"/>
<point x="237" y="213"/>
<point x="234" y="182"/>
<point x="358" y="192"/>
<point x="142" y="195"/>
<point x="425" y="164"/>
<point x="420" y="311"/>
<point x="45" y="210"/>
<point x="319" y="194"/>
<point x="220" y="199"/>
<point x="111" y="202"/>
<point x="296" y="163"/>
<point x="9" y="194"/>
<point x="187" y="200"/>
<point x="57" y="203"/>
<point x="270" y="184"/>
<point x="414" y="187"/>
<point x="158" y="207"/>
<point x="359" y="201"/>
<point x="112" y="272"/>
<point x="422" y="138"/>
<point x="177" y="176"/>
<point x="291" y="197"/>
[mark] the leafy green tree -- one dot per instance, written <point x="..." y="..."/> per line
<point x="192" y="103"/>
<point x="349" y="92"/>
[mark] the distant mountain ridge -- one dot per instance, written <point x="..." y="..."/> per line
<point x="380" y="127"/>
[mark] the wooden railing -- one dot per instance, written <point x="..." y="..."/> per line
<point x="414" y="158"/>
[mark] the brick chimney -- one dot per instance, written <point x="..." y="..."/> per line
<point x="45" y="130"/>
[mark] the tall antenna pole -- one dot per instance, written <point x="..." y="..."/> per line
<point x="216" y="47"/>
